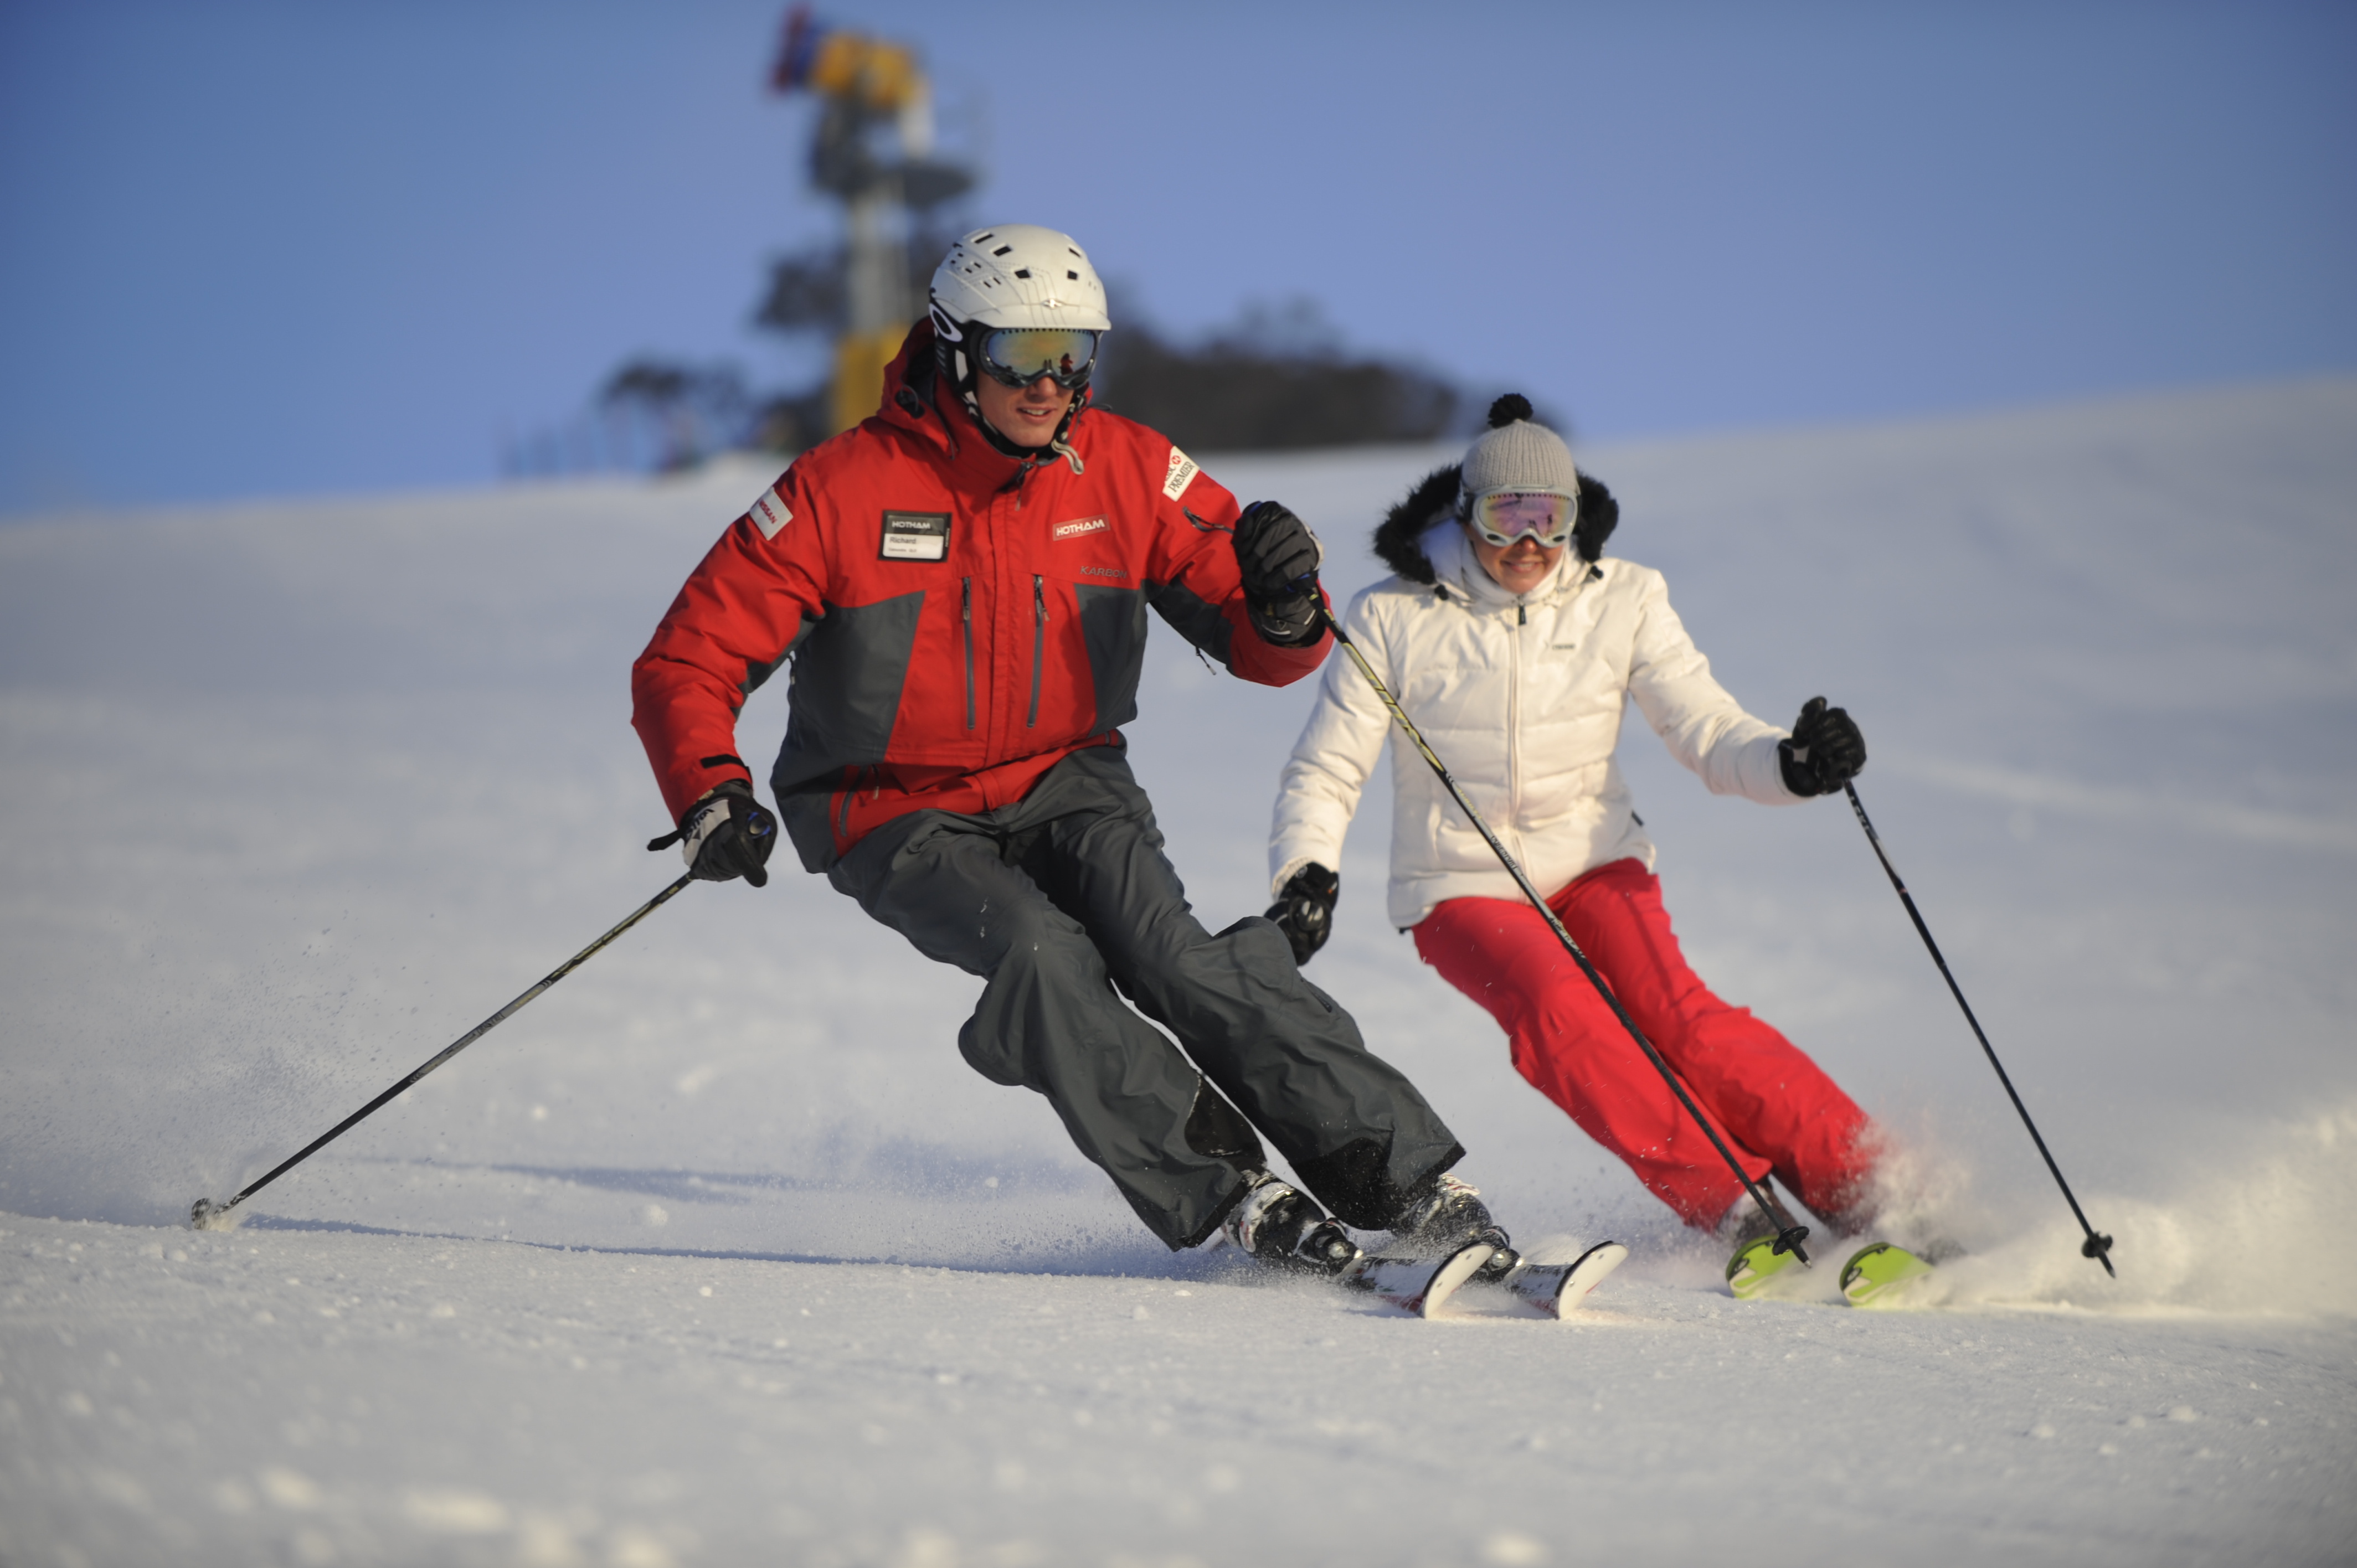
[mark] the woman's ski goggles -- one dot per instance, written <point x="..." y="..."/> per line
<point x="1509" y="516"/>
<point x="1021" y="355"/>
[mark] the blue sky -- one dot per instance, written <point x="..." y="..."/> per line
<point x="251" y="248"/>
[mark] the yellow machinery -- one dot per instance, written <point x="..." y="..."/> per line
<point x="868" y="86"/>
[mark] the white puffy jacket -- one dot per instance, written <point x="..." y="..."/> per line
<point x="1522" y="698"/>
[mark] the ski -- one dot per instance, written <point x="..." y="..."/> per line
<point x="1881" y="1276"/>
<point x="1877" y="1276"/>
<point x="1758" y="1269"/>
<point x="1552" y="1289"/>
<point x="1416" y="1285"/>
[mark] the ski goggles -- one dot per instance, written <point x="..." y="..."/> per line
<point x="1509" y="516"/>
<point x="1021" y="355"/>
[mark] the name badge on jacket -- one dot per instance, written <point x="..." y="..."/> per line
<point x="916" y="536"/>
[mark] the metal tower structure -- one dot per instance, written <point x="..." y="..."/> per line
<point x="874" y="152"/>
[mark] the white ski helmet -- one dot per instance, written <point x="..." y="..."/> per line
<point x="1016" y="275"/>
<point x="1010" y="275"/>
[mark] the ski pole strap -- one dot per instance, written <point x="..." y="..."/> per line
<point x="2096" y="1246"/>
<point x="1789" y="1235"/>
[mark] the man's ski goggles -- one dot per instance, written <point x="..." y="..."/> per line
<point x="1509" y="516"/>
<point x="1021" y="355"/>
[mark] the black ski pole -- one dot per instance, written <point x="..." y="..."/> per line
<point x="206" y="1215"/>
<point x="1789" y="1235"/>
<point x="2098" y="1247"/>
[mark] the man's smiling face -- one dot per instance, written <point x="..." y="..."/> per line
<point x="1027" y="415"/>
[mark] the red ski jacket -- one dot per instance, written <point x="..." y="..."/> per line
<point x="957" y="620"/>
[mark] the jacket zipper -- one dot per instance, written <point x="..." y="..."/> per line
<point x="1514" y="735"/>
<point x="1038" y="644"/>
<point x="967" y="614"/>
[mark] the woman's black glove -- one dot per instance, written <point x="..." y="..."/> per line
<point x="1826" y="751"/>
<point x="1278" y="556"/>
<point x="1305" y="910"/>
<point x="726" y="835"/>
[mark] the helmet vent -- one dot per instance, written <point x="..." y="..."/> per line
<point x="1004" y="279"/>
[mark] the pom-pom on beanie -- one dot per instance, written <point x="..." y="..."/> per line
<point x="1517" y="454"/>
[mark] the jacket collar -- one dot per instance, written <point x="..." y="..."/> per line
<point x="1455" y="567"/>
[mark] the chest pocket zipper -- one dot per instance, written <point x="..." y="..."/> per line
<point x="967" y="614"/>
<point x="1038" y="644"/>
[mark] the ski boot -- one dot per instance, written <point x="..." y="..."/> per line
<point x="1444" y="1212"/>
<point x="1755" y="1267"/>
<point x="1283" y="1227"/>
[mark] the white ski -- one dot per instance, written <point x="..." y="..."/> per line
<point x="1552" y="1289"/>
<point x="1418" y="1285"/>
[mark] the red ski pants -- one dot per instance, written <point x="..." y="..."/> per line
<point x="1775" y="1107"/>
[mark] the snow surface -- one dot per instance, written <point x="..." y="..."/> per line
<point x="291" y="796"/>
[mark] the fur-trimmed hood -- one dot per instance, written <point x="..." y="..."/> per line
<point x="1434" y="498"/>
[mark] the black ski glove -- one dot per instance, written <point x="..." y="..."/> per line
<point x="726" y="835"/>
<point x="1305" y="910"/>
<point x="1826" y="751"/>
<point x="1278" y="557"/>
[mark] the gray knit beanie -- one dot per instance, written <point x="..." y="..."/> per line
<point x="1517" y="454"/>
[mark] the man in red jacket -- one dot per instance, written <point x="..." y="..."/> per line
<point x="961" y="586"/>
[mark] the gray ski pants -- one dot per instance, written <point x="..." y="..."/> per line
<point x="1065" y="895"/>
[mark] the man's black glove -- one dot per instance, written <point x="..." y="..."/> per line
<point x="1305" y="910"/>
<point x="1278" y="557"/>
<point x="1824" y="753"/>
<point x="726" y="835"/>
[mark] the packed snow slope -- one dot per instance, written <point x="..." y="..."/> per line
<point x="718" y="1253"/>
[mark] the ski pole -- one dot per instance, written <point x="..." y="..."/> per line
<point x="206" y="1215"/>
<point x="1789" y="1235"/>
<point x="2098" y="1247"/>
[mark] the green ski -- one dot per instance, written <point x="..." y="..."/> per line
<point x="1881" y="1275"/>
<point x="1758" y="1269"/>
<point x="1877" y="1276"/>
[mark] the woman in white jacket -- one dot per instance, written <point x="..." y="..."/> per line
<point x="1515" y="653"/>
